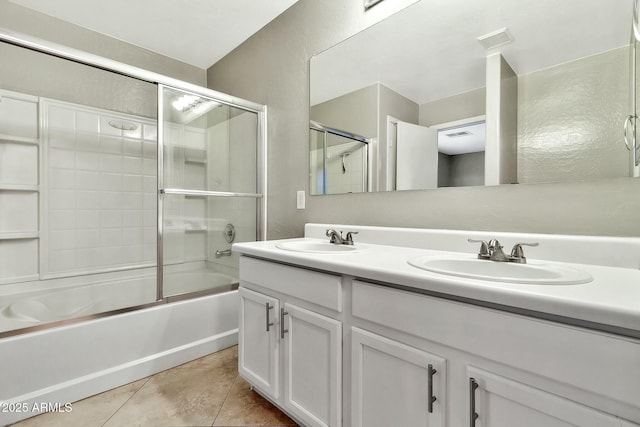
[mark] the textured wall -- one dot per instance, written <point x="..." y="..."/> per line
<point x="272" y="67"/>
<point x="580" y="137"/>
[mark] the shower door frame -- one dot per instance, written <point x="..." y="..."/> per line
<point x="162" y="81"/>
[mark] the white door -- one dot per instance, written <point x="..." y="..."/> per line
<point x="258" y="341"/>
<point x="313" y="367"/>
<point x="416" y="157"/>
<point x="394" y="384"/>
<point x="502" y="402"/>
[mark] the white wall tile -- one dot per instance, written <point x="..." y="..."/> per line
<point x="65" y="239"/>
<point x="18" y="211"/>
<point x="110" y="145"/>
<point x="132" y="183"/>
<point x="150" y="132"/>
<point x="88" y="218"/>
<point x="86" y="180"/>
<point x="62" y="178"/>
<point x="18" y="258"/>
<point x="110" y="219"/>
<point x="111" y="237"/>
<point x="63" y="159"/>
<point x="61" y="260"/>
<point x="87" y="122"/>
<point x="111" y="182"/>
<point x="87" y="142"/>
<point x="62" y="220"/>
<point x="87" y="238"/>
<point x="18" y="115"/>
<point x="132" y="147"/>
<point x="61" y="118"/>
<point x="88" y="200"/>
<point x="132" y="165"/>
<point x="87" y="161"/>
<point x="110" y="163"/>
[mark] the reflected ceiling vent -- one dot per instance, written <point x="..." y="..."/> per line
<point x="496" y="38"/>
<point x="458" y="134"/>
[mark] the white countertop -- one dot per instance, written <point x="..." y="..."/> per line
<point x="612" y="298"/>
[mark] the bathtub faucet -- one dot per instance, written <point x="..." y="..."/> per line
<point x="226" y="252"/>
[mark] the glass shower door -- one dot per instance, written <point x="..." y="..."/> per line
<point x="208" y="194"/>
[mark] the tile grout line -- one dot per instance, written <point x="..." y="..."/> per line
<point x="225" y="400"/>
<point x="126" y="401"/>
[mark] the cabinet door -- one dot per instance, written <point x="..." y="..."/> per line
<point x="258" y="341"/>
<point x="393" y="383"/>
<point x="502" y="402"/>
<point x="313" y="367"/>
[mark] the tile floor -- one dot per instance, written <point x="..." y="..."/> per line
<point x="204" y="392"/>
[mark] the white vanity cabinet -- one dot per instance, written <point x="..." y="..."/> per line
<point x="394" y="384"/>
<point x="287" y="350"/>
<point x="506" y="368"/>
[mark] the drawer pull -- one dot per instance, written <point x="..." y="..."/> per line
<point x="473" y="415"/>
<point x="267" y="308"/>
<point x="282" y="329"/>
<point x="431" y="398"/>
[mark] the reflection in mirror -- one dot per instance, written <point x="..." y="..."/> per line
<point x="420" y="66"/>
<point x="338" y="161"/>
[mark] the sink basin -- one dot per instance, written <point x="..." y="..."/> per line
<point x="534" y="272"/>
<point x="317" y="247"/>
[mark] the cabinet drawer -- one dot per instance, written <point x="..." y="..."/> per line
<point x="318" y="288"/>
<point x="602" y="364"/>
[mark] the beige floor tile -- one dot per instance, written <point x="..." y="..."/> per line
<point x="227" y="358"/>
<point x="245" y="407"/>
<point x="92" y="411"/>
<point x="178" y="397"/>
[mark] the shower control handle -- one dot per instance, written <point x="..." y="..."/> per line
<point x="267" y="308"/>
<point x="282" y="329"/>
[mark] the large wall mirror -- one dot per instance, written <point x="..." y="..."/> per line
<point x="409" y="96"/>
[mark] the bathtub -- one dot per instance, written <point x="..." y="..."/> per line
<point x="55" y="366"/>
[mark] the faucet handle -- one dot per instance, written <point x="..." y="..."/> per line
<point x="517" y="254"/>
<point x="484" y="248"/>
<point x="349" y="239"/>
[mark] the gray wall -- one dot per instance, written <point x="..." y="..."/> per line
<point x="457" y="107"/>
<point x="580" y="137"/>
<point x="26" y="21"/>
<point x="272" y="68"/>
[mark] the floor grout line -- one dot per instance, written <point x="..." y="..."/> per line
<point x="126" y="401"/>
<point x="225" y="400"/>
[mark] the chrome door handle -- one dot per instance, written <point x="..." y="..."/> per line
<point x="431" y="398"/>
<point x="282" y="329"/>
<point x="473" y="415"/>
<point x="267" y="308"/>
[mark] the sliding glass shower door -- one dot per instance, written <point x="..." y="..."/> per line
<point x="208" y="191"/>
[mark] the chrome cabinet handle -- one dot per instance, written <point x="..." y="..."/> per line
<point x="473" y="415"/>
<point x="282" y="329"/>
<point x="267" y="308"/>
<point x="431" y="398"/>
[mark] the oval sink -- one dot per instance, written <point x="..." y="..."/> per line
<point x="317" y="247"/>
<point x="534" y="272"/>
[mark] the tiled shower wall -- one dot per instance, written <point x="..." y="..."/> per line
<point x="99" y="190"/>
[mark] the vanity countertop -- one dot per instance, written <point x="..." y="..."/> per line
<point x="611" y="301"/>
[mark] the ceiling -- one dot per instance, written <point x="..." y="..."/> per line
<point x="430" y="50"/>
<point x="198" y="32"/>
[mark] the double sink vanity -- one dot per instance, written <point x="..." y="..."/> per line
<point x="417" y="327"/>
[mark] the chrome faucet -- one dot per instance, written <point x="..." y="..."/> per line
<point x="337" y="239"/>
<point x="493" y="251"/>
<point x="226" y="252"/>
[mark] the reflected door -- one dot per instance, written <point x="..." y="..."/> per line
<point x="416" y="157"/>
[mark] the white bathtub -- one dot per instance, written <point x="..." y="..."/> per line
<point x="74" y="361"/>
<point x="77" y="301"/>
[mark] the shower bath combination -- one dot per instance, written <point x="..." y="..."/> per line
<point x="121" y="191"/>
